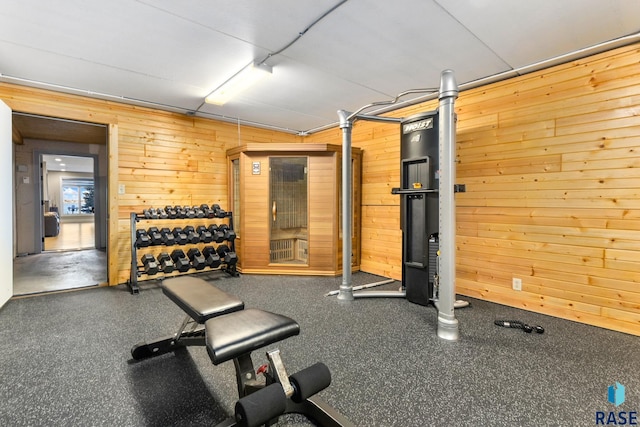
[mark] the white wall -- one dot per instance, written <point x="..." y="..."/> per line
<point x="6" y="198"/>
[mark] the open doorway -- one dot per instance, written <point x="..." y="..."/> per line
<point x="68" y="200"/>
<point x="61" y="215"/>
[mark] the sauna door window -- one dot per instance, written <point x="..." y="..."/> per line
<point x="289" y="210"/>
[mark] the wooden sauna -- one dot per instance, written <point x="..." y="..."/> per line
<point x="286" y="203"/>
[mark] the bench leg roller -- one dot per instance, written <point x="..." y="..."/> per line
<point x="263" y="405"/>
<point x="310" y="381"/>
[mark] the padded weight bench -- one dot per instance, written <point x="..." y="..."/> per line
<point x="231" y="333"/>
<point x="201" y="301"/>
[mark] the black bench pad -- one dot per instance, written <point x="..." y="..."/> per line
<point x="199" y="298"/>
<point x="236" y="334"/>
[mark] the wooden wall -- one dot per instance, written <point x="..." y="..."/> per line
<point x="551" y="162"/>
<point x="160" y="157"/>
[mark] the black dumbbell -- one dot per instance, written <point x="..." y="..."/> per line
<point x="216" y="234"/>
<point x="155" y="238"/>
<point x="150" y="213"/>
<point x="196" y="258"/>
<point x="167" y="237"/>
<point x="171" y="212"/>
<point x="149" y="264"/>
<point x="189" y="212"/>
<point x="211" y="257"/>
<point x="180" y="236"/>
<point x="142" y="239"/>
<point x="199" y="212"/>
<point x="218" y="212"/>
<point x="162" y="214"/>
<point x="227" y="255"/>
<point x="192" y="236"/>
<point x="208" y="212"/>
<point x="166" y="263"/>
<point x="229" y="234"/>
<point x="205" y="234"/>
<point x="180" y="212"/>
<point x="180" y="260"/>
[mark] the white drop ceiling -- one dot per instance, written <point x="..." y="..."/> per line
<point x="171" y="54"/>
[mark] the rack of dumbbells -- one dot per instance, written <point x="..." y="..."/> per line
<point x="196" y="251"/>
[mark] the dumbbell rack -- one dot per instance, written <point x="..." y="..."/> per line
<point x="137" y="270"/>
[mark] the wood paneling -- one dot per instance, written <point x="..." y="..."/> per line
<point x="162" y="158"/>
<point x="551" y="163"/>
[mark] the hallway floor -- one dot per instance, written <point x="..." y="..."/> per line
<point x="55" y="271"/>
<point x="72" y="235"/>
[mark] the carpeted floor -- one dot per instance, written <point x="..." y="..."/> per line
<point x="66" y="361"/>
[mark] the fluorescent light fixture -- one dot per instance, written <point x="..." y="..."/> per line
<point x="242" y="80"/>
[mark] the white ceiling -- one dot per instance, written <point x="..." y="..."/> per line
<point x="171" y="54"/>
<point x="62" y="163"/>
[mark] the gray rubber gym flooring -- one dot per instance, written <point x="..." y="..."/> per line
<point x="65" y="361"/>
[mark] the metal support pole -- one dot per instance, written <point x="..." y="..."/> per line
<point x="447" y="322"/>
<point x="346" y="289"/>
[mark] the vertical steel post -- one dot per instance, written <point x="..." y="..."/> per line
<point x="346" y="289"/>
<point x="447" y="322"/>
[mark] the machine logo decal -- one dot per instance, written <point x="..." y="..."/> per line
<point x="422" y="124"/>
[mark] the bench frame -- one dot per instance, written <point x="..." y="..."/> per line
<point x="190" y="333"/>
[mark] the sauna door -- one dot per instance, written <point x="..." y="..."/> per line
<point x="289" y="210"/>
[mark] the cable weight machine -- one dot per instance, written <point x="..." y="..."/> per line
<point x="427" y="205"/>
